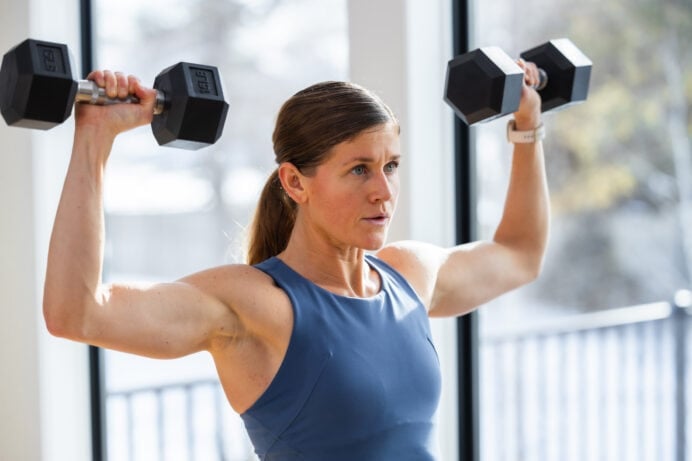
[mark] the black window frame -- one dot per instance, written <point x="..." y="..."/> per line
<point x="465" y="219"/>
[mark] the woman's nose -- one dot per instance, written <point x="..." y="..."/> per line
<point x="382" y="187"/>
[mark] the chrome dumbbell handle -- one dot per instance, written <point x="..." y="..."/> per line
<point x="90" y="93"/>
<point x="542" y="80"/>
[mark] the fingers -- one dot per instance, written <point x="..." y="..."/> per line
<point x="528" y="115"/>
<point x="116" y="84"/>
<point x="146" y="95"/>
<point x="133" y="84"/>
<point x="531" y="73"/>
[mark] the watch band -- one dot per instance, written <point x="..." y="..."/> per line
<point x="523" y="137"/>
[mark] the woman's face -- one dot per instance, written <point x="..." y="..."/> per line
<point x="351" y="198"/>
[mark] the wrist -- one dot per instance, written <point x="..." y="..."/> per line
<point x="93" y="142"/>
<point x="94" y="132"/>
<point x="525" y="133"/>
<point x="526" y="123"/>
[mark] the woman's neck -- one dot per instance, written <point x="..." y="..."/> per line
<point x="342" y="271"/>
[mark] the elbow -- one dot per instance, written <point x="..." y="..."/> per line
<point x="63" y="321"/>
<point x="533" y="273"/>
<point x="532" y="269"/>
<point x="526" y="261"/>
<point x="56" y="324"/>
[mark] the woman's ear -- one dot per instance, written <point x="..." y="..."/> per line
<point x="292" y="181"/>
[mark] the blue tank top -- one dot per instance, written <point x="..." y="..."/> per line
<point x="360" y="379"/>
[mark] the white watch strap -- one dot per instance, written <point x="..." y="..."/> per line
<point x="523" y="137"/>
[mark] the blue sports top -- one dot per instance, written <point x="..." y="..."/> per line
<point x="360" y="379"/>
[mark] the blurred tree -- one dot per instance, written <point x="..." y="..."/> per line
<point x="620" y="166"/>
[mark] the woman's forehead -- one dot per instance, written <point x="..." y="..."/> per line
<point x="367" y="146"/>
<point x="376" y="139"/>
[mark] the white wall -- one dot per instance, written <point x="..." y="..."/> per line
<point x="19" y="386"/>
<point x="44" y="386"/>
<point x="400" y="49"/>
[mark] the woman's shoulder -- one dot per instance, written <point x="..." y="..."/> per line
<point x="230" y="277"/>
<point x="406" y="255"/>
<point x="418" y="262"/>
<point x="248" y="291"/>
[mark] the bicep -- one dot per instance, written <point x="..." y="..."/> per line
<point x="164" y="320"/>
<point x="454" y="281"/>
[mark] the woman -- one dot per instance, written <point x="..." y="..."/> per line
<point x="322" y="341"/>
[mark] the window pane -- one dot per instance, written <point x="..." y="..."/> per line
<point x="619" y="165"/>
<point x="567" y="374"/>
<point x="171" y="212"/>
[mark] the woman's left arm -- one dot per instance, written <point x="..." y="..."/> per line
<point x="455" y="281"/>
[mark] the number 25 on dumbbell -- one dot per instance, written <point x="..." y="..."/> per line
<point x="37" y="91"/>
<point x="486" y="83"/>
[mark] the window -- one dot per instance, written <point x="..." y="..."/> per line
<point x="566" y="371"/>
<point x="172" y="212"/>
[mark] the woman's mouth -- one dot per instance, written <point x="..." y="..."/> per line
<point x="379" y="220"/>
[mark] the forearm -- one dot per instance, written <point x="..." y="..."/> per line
<point x="526" y="218"/>
<point x="75" y="255"/>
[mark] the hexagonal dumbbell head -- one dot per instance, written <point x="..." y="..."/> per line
<point x="36" y="85"/>
<point x="483" y="84"/>
<point x="568" y="70"/>
<point x="195" y="111"/>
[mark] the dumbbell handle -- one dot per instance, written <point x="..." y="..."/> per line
<point x="542" y="80"/>
<point x="89" y="92"/>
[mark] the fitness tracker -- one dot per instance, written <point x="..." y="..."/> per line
<point x="523" y="137"/>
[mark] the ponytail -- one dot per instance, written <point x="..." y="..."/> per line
<point x="273" y="222"/>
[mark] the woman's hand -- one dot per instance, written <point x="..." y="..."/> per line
<point x="111" y="120"/>
<point x="528" y="116"/>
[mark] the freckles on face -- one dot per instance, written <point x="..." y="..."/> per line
<point x="353" y="194"/>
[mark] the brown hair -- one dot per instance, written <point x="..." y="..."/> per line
<point x="309" y="124"/>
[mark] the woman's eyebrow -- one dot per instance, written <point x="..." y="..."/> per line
<point x="370" y="159"/>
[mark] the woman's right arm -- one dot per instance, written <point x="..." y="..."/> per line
<point x="162" y="320"/>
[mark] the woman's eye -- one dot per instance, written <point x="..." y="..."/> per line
<point x="359" y="170"/>
<point x="391" y="167"/>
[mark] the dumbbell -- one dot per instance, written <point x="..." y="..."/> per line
<point x="37" y="91"/>
<point x="486" y="83"/>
